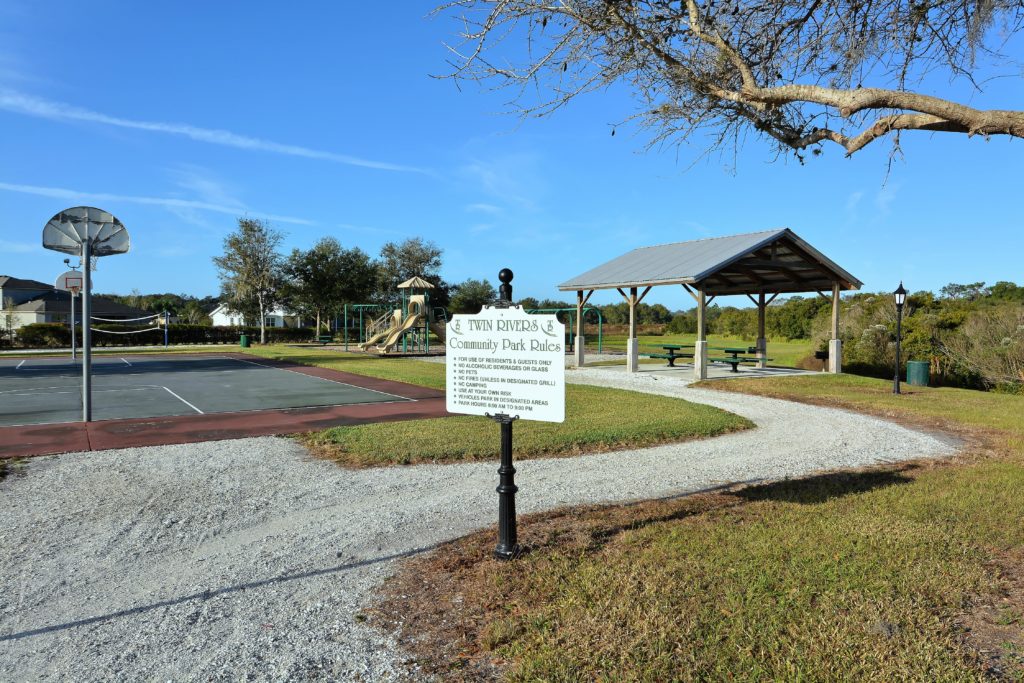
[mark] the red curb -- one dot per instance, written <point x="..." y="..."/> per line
<point x="49" y="439"/>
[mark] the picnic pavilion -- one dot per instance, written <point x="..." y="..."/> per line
<point x="761" y="265"/>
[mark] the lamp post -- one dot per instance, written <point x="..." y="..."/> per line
<point x="900" y="296"/>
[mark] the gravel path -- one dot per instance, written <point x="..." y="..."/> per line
<point x="249" y="560"/>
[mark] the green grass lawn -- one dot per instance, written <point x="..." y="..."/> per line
<point x="784" y="353"/>
<point x="597" y="419"/>
<point x="852" y="576"/>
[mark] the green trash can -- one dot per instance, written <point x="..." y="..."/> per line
<point x="917" y="372"/>
<point x="244" y="343"/>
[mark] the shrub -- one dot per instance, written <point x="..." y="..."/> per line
<point x="991" y="343"/>
<point x="54" y="335"/>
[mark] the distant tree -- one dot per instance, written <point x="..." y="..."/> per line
<point x="472" y="295"/>
<point x="1006" y="291"/>
<point x="529" y="303"/>
<point x="250" y="271"/>
<point x="797" y="74"/>
<point x="192" y="313"/>
<point x="968" y="292"/>
<point x="319" y="281"/>
<point x="414" y="257"/>
<point x="7" y="322"/>
<point x="312" y="279"/>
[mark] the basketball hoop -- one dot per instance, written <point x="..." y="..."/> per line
<point x="71" y="281"/>
<point x="86" y="232"/>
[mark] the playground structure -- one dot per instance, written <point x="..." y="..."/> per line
<point x="407" y="329"/>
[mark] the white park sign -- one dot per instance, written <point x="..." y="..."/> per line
<point x="505" y="361"/>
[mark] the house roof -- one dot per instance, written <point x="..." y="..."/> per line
<point x="6" y="281"/>
<point x="56" y="301"/>
<point x="769" y="261"/>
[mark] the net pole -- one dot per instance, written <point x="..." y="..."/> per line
<point x="167" y="318"/>
<point x="87" y="331"/>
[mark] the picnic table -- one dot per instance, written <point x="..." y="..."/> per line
<point x="735" y="358"/>
<point x="671" y="353"/>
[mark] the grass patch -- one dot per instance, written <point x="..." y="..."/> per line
<point x="597" y="419"/>
<point x="874" y="574"/>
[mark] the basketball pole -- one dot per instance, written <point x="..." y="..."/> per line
<point x="72" y="326"/>
<point x="87" y="331"/>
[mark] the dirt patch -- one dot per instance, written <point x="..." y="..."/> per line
<point x="994" y="625"/>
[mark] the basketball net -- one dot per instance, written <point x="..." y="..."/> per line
<point x="93" y="261"/>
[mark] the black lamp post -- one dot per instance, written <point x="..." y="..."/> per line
<point x="900" y="296"/>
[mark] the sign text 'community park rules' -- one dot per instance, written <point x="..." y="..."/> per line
<point x="505" y="361"/>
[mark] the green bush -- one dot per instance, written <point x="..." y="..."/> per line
<point x="54" y="335"/>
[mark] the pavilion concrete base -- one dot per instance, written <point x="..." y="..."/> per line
<point x="632" y="355"/>
<point x="715" y="371"/>
<point x="700" y="360"/>
<point x="580" y="353"/>
<point x="762" y="352"/>
<point x="835" y="356"/>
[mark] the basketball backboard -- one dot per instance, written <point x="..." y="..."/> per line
<point x="66" y="232"/>
<point x="71" y="281"/>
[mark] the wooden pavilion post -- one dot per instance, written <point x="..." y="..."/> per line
<point x="581" y="301"/>
<point x="700" y="350"/>
<point x="835" y="345"/>
<point x="762" y="340"/>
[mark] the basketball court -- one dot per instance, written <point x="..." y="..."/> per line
<point x="150" y="399"/>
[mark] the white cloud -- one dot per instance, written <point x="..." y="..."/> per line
<point x="482" y="207"/>
<point x="853" y="201"/>
<point x="28" y="105"/>
<point x="165" y="202"/>
<point x="18" y="247"/>
<point x="885" y="197"/>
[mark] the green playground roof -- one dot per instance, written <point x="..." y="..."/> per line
<point x="770" y="261"/>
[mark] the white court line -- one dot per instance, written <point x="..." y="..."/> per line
<point x="127" y="363"/>
<point x="20" y="364"/>
<point x="332" y="381"/>
<point x="184" y="401"/>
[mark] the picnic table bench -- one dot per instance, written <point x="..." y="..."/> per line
<point x="735" y="358"/>
<point x="325" y="339"/>
<point x="671" y="353"/>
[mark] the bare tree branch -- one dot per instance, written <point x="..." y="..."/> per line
<point x="776" y="68"/>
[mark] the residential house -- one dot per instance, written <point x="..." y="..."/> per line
<point x="278" y="317"/>
<point x="24" y="302"/>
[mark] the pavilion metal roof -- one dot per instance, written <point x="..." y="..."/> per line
<point x="769" y="261"/>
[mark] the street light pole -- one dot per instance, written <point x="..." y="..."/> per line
<point x="900" y="296"/>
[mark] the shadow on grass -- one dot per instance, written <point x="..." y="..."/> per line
<point x="824" y="487"/>
<point x="590" y="528"/>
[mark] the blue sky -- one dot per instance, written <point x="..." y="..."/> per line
<point x="324" y="118"/>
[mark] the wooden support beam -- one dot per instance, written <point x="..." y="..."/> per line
<point x="773" y="298"/>
<point x="702" y="305"/>
<point x="624" y="295"/>
<point x="835" y="311"/>
<point x="642" y="295"/>
<point x="632" y="312"/>
<point x="691" y="292"/>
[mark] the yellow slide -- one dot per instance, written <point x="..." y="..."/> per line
<point x="375" y="338"/>
<point x="395" y="333"/>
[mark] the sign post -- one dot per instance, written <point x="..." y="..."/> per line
<point x="507" y="365"/>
